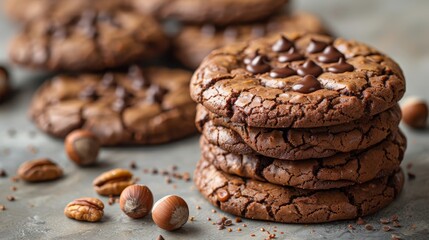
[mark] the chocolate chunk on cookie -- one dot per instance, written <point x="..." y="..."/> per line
<point x="195" y="42"/>
<point x="323" y="82"/>
<point x="88" y="41"/>
<point x="28" y="10"/>
<point x="337" y="171"/>
<point x="141" y="106"/>
<point x="265" y="201"/>
<point x="219" y="12"/>
<point x="304" y="143"/>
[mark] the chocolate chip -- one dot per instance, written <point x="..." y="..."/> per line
<point x="282" y="72"/>
<point x="316" y="46"/>
<point x="341" y="66"/>
<point x="282" y="45"/>
<point x="330" y="55"/>
<point x="258" y="65"/>
<point x="309" y="68"/>
<point x="208" y="30"/>
<point x="307" y="84"/>
<point x="291" y="55"/>
<point x="155" y="94"/>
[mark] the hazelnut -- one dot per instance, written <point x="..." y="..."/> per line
<point x="170" y="212"/>
<point x="82" y="147"/>
<point x="415" y="113"/>
<point x="136" y="201"/>
<point x="4" y="82"/>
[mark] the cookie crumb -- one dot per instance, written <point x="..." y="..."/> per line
<point x="214" y="211"/>
<point x="133" y="165"/>
<point x="238" y="220"/>
<point x="262" y="229"/>
<point x="360" y="221"/>
<point x="229" y="229"/>
<point x="2" y="208"/>
<point x="198" y="207"/>
<point x="191" y="218"/>
<point x="154" y="171"/>
<point x="394" y="217"/>
<point x="411" y="176"/>
<point x="238" y="229"/>
<point x="209" y="219"/>
<point x="395" y="237"/>
<point x="13" y="188"/>
<point x="252" y="235"/>
<point x="228" y="222"/>
<point x="3" y="173"/>
<point x="160" y="237"/>
<point x="409" y="166"/>
<point x="384" y="221"/>
<point x="369" y="227"/>
<point x="10" y="198"/>
<point x="351" y="227"/>
<point x="386" y="228"/>
<point x="396" y="224"/>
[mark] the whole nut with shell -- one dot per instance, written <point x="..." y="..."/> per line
<point x="136" y="201"/>
<point x="113" y="182"/>
<point x="85" y="209"/>
<point x="170" y="212"/>
<point x="82" y="147"/>
<point x="415" y="113"/>
<point x="39" y="170"/>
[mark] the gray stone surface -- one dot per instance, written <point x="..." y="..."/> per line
<point x="398" y="27"/>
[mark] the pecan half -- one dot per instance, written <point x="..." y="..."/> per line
<point x="113" y="182"/>
<point x="85" y="209"/>
<point x="39" y="170"/>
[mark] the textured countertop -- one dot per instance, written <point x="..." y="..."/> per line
<point x="400" y="28"/>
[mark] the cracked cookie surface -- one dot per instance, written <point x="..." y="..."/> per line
<point x="303" y="143"/>
<point x="219" y="12"/>
<point x="141" y="106"/>
<point x="89" y="40"/>
<point x="191" y="52"/>
<point x="340" y="170"/>
<point x="297" y="80"/>
<point x="265" y="201"/>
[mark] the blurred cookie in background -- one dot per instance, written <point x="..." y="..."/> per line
<point x="90" y="40"/>
<point x="194" y="42"/>
<point x="141" y="106"/>
<point x="218" y="12"/>
<point x="28" y="10"/>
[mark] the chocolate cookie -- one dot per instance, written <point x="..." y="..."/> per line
<point x="297" y="80"/>
<point x="88" y="41"/>
<point x="194" y="42"/>
<point x="143" y="106"/>
<point x="28" y="10"/>
<point x="265" y="201"/>
<point x="304" y="143"/>
<point x="340" y="170"/>
<point x="219" y="12"/>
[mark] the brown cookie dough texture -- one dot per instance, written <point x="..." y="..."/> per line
<point x="28" y="10"/>
<point x="265" y="201"/>
<point x="191" y="51"/>
<point x="88" y="41"/>
<point x="143" y="106"/>
<point x="219" y="12"/>
<point x="263" y="85"/>
<point x="297" y="144"/>
<point x="337" y="171"/>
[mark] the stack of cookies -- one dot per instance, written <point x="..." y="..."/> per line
<point x="208" y="25"/>
<point x="299" y="128"/>
<point x="97" y="48"/>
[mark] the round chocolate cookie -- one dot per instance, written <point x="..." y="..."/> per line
<point x="143" y="106"/>
<point x="297" y="80"/>
<point x="193" y="42"/>
<point x="265" y="201"/>
<point x="28" y="10"/>
<point x="219" y="12"/>
<point x="304" y="143"/>
<point x="340" y="170"/>
<point x="88" y="41"/>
